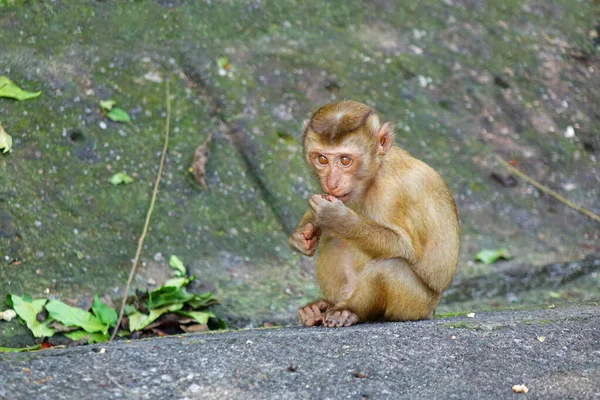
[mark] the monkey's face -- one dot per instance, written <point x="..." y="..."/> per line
<point x="341" y="169"/>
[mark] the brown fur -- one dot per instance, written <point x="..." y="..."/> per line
<point x="388" y="248"/>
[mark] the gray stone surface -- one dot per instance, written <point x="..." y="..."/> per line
<point x="450" y="358"/>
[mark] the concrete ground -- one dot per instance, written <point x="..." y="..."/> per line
<point x="554" y="352"/>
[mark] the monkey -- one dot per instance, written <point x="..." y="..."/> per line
<point x="386" y="229"/>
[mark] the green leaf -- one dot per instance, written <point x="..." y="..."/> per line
<point x="105" y="314"/>
<point x="222" y="62"/>
<point x="139" y="321"/>
<point x="167" y="295"/>
<point x="91" y="337"/>
<point x="177" y="265"/>
<point x="120" y="177"/>
<point x="9" y="89"/>
<point x="554" y="295"/>
<point x="199" y="316"/>
<point x="202" y="300"/>
<point x="487" y="256"/>
<point x="222" y="324"/>
<point x="19" y="349"/>
<point x="177" y="282"/>
<point x="73" y="316"/>
<point x="28" y="311"/>
<point x="107" y="104"/>
<point x="5" y="140"/>
<point x="129" y="309"/>
<point x="118" y="115"/>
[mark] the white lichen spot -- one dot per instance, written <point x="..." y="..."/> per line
<point x="570" y="132"/>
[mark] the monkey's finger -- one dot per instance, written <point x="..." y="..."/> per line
<point x="301" y="317"/>
<point x="343" y="318"/>
<point x="309" y="244"/>
<point x="331" y="319"/>
<point x="352" y="319"/>
<point x="323" y="305"/>
<point x="308" y="231"/>
<point x="316" y="311"/>
<point x="309" y="312"/>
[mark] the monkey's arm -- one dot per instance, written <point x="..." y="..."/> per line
<point x="378" y="240"/>
<point x="375" y="239"/>
<point x="305" y="237"/>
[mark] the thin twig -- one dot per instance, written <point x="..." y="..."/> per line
<point x="148" y="215"/>
<point x="117" y="384"/>
<point x="547" y="190"/>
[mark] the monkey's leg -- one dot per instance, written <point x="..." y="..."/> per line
<point x="385" y="289"/>
<point x="312" y="313"/>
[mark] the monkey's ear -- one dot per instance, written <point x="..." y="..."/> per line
<point x="385" y="138"/>
<point x="306" y="124"/>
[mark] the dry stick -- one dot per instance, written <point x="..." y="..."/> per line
<point x="148" y="215"/>
<point x="547" y="191"/>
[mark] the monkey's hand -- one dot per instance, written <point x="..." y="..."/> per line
<point x="305" y="239"/>
<point x="330" y="213"/>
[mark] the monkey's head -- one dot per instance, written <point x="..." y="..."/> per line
<point x="344" y="144"/>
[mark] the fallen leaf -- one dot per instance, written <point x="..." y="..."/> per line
<point x="107" y="104"/>
<point x="178" y="266"/>
<point x="118" y="115"/>
<point x="27" y="310"/>
<point x="199" y="316"/>
<point x="223" y="63"/>
<point x="5" y="140"/>
<point x="488" y="256"/>
<point x="138" y="320"/>
<point x="199" y="162"/>
<point x="90" y="338"/>
<point x="8" y="315"/>
<point x="19" y="350"/>
<point x="520" y="389"/>
<point x="104" y="313"/>
<point x="120" y="177"/>
<point x="73" y="316"/>
<point x="194" y="328"/>
<point x="9" y="89"/>
<point x="541" y="338"/>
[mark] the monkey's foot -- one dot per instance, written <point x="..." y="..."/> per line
<point x="339" y="318"/>
<point x="312" y="313"/>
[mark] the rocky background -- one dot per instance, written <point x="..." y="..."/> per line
<point x="462" y="81"/>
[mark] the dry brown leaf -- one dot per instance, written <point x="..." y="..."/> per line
<point x="194" y="328"/>
<point x="198" y="167"/>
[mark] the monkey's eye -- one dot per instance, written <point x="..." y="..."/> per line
<point x="321" y="159"/>
<point x="345" y="160"/>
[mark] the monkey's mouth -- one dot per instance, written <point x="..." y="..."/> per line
<point x="344" y="197"/>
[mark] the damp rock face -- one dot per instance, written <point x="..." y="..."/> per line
<point x="462" y="81"/>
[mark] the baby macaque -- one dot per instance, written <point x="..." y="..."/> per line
<point x="386" y="227"/>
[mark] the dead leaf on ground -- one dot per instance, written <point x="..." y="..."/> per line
<point x="198" y="167"/>
<point x="194" y="328"/>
